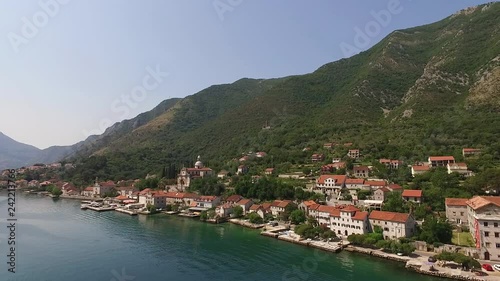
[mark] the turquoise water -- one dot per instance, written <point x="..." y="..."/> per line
<point x="58" y="241"/>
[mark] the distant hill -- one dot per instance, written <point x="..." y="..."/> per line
<point x="14" y="154"/>
<point x="426" y="90"/>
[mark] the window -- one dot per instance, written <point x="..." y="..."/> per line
<point x="495" y="224"/>
<point x="486" y="234"/>
<point x="498" y="245"/>
<point x="461" y="213"/>
<point x="485" y="223"/>
<point x="487" y="244"/>
<point x="497" y="234"/>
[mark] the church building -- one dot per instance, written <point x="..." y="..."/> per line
<point x="188" y="174"/>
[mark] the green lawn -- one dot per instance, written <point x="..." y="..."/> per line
<point x="462" y="239"/>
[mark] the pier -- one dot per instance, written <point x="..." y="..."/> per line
<point x="125" y="211"/>
<point x="101" y="209"/>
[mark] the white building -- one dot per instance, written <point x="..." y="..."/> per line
<point x="188" y="174"/>
<point x="349" y="220"/>
<point x="460" y="168"/>
<point x="331" y="184"/>
<point x="394" y="225"/>
<point x="483" y="215"/>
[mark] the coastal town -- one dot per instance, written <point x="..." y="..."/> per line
<point x="345" y="208"/>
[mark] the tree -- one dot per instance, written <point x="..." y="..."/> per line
<point x="312" y="221"/>
<point x="436" y="230"/>
<point x="203" y="216"/>
<point x="363" y="194"/>
<point x="56" y="191"/>
<point x="297" y="217"/>
<point x="306" y="171"/>
<point x="207" y="186"/>
<point x="328" y="234"/>
<point x="237" y="211"/>
<point x="151" y="208"/>
<point x="255" y="218"/>
<point x="395" y="203"/>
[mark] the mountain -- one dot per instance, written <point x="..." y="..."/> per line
<point x="14" y="154"/>
<point x="426" y="90"/>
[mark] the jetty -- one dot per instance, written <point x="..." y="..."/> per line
<point x="246" y="223"/>
<point x="291" y="237"/>
<point x="189" y="215"/>
<point x="273" y="231"/>
<point x="101" y="209"/>
<point x="127" y="211"/>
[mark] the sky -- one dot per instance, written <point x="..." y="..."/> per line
<point x="72" y="68"/>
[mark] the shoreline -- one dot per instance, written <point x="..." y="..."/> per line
<point x="411" y="264"/>
<point x="415" y="264"/>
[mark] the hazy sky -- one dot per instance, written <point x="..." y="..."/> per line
<point x="71" y="68"/>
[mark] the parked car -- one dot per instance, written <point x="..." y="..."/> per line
<point x="487" y="267"/>
<point x="431" y="259"/>
<point x="496" y="267"/>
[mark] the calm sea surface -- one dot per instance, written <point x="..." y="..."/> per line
<point x="57" y="241"/>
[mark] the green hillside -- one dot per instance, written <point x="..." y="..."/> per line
<point x="425" y="90"/>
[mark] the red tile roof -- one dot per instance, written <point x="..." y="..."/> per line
<point x="108" y="184"/>
<point x="354" y="181"/>
<point x="458" y="166"/>
<point x="471" y="149"/>
<point x="350" y="208"/>
<point x="441" y="158"/>
<point x="145" y="191"/>
<point x="234" y="198"/>
<point x="455" y="201"/>
<point x="255" y="207"/>
<point x="420" y="168"/>
<point x="121" y="198"/>
<point x="206" y="198"/>
<point x="389" y="216"/>
<point x="181" y="195"/>
<point x="360" y="168"/>
<point x="244" y="201"/>
<point x="412" y="193"/>
<point x="376" y="183"/>
<point x="384" y="189"/>
<point x="481" y="201"/>
<point x="284" y="203"/>
<point x="360" y="216"/>
<point x="309" y="203"/>
<point x="395" y="186"/>
<point x="339" y="179"/>
<point x="266" y="206"/>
